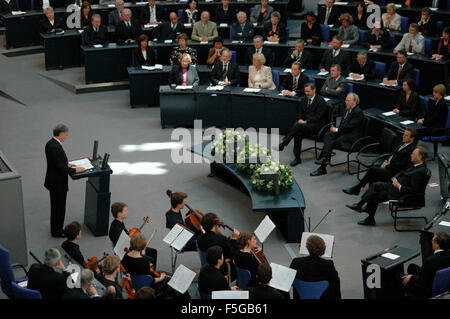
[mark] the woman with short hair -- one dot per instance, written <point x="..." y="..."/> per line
<point x="184" y="74"/>
<point x="347" y="31"/>
<point x="275" y="30"/>
<point x="178" y="52"/>
<point x="259" y="75"/>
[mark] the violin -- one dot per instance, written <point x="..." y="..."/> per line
<point x="154" y="272"/>
<point x="228" y="277"/>
<point x="127" y="284"/>
<point x="134" y="230"/>
<point x="259" y="255"/>
<point x="92" y="263"/>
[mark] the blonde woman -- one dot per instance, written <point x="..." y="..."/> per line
<point x="259" y="75"/>
<point x="391" y="19"/>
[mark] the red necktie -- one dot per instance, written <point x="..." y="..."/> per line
<point x="399" y="71"/>
<point x="410" y="46"/>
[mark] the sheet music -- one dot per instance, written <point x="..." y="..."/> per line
<point x="182" y="239"/>
<point x="264" y="229"/>
<point x="444" y="223"/>
<point x="230" y="294"/>
<point x="173" y="234"/>
<point x="282" y="277"/>
<point x="122" y="243"/>
<point x="328" y="239"/>
<point x="84" y="162"/>
<point x="181" y="279"/>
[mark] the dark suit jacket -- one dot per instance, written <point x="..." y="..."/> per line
<point x="436" y="116"/>
<point x="8" y="7"/>
<point x="211" y="279"/>
<point x="196" y="17"/>
<point x="288" y="82"/>
<point x="331" y="86"/>
<point x="350" y="128"/>
<point x="267" y="52"/>
<point x="315" y="33"/>
<point x="247" y="33"/>
<point x="233" y="74"/>
<point x="167" y="33"/>
<point x="317" y="269"/>
<point x="410" y="108"/>
<point x="428" y="29"/>
<point x="401" y="159"/>
<point x="114" y="17"/>
<point x="305" y="59"/>
<point x="45" y="25"/>
<point x="145" y="14"/>
<point x="74" y="293"/>
<point x="368" y="69"/>
<point x="384" y="39"/>
<point x="139" y="58"/>
<point x="222" y="17"/>
<point x="263" y="292"/>
<point x="413" y="180"/>
<point x="281" y="29"/>
<point x="56" y="177"/>
<point x="316" y="114"/>
<point x="45" y="279"/>
<point x="210" y="239"/>
<point x="332" y="19"/>
<point x="91" y="37"/>
<point x="407" y="72"/>
<point x="343" y="59"/>
<point x="73" y="250"/>
<point x="124" y="33"/>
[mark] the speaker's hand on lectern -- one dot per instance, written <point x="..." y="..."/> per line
<point x="79" y="169"/>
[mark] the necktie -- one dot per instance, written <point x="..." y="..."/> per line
<point x="400" y="68"/>
<point x="410" y="46"/>
<point x="128" y="24"/>
<point x="173" y="26"/>
<point x="399" y="149"/>
<point x="327" y="15"/>
<point x="309" y="104"/>
<point x="225" y="71"/>
<point x="294" y="86"/>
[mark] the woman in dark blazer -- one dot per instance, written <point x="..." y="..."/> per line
<point x="184" y="73"/>
<point x="442" y="48"/>
<point x="50" y="23"/>
<point x="191" y="14"/>
<point x="85" y="14"/>
<point x="436" y="116"/>
<point x="408" y="105"/>
<point x="311" y="29"/>
<point x="225" y="13"/>
<point x="360" y="17"/>
<point x="143" y="54"/>
<point x="275" y="30"/>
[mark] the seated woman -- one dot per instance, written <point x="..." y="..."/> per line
<point x="360" y="17"/>
<point x="408" y="105"/>
<point x="442" y="49"/>
<point x="347" y="31"/>
<point x="377" y="38"/>
<point x="261" y="12"/>
<point x="49" y="24"/>
<point x="259" y="75"/>
<point x="184" y="74"/>
<point x="245" y="258"/>
<point x="391" y="19"/>
<point x="191" y="14"/>
<point x="85" y="14"/>
<point x="215" y="52"/>
<point x="310" y="29"/>
<point x="178" y="52"/>
<point x="274" y="30"/>
<point x="225" y="13"/>
<point x="436" y="116"/>
<point x="143" y="54"/>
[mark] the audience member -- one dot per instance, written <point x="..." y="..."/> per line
<point x="225" y="72"/>
<point x="259" y="75"/>
<point x="412" y="41"/>
<point x="182" y="49"/>
<point x="204" y="30"/>
<point x="191" y="14"/>
<point x="263" y="290"/>
<point x="399" y="70"/>
<point x="184" y="73"/>
<point x="128" y="30"/>
<point x="329" y="14"/>
<point x="377" y="38"/>
<point x="225" y="13"/>
<point x="362" y="67"/>
<point x="409" y="101"/>
<point x="170" y="30"/>
<point x="242" y="29"/>
<point x="336" y="55"/>
<point x="335" y="85"/>
<point x="96" y="33"/>
<point x="299" y="54"/>
<point x="347" y="31"/>
<point x="258" y="48"/>
<point x="391" y="19"/>
<point x="115" y="16"/>
<point x="310" y="31"/>
<point x="50" y="24"/>
<point x="442" y="49"/>
<point x="143" y="54"/>
<point x="214" y="53"/>
<point x="274" y="30"/>
<point x="261" y="12"/>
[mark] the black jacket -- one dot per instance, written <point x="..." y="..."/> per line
<point x="350" y="128"/>
<point x="139" y="57"/>
<point x="233" y="74"/>
<point x="428" y="29"/>
<point x="316" y="113"/>
<point x="209" y="239"/>
<point x="8" y="7"/>
<point x="384" y="39"/>
<point x="50" y="283"/>
<point x="343" y="59"/>
<point x="115" y="230"/>
<point x="211" y="279"/>
<point x="314" y="34"/>
<point x="401" y="158"/>
<point x="225" y="17"/>
<point x="45" y="25"/>
<point x="91" y="37"/>
<point x="56" y="177"/>
<point x="411" y="108"/>
<point x="332" y="19"/>
<point x="124" y="33"/>
<point x="74" y="293"/>
<point x="172" y="218"/>
<point x="281" y="31"/>
<point x="167" y="33"/>
<point x="317" y="269"/>
<point x="288" y="83"/>
<point x="368" y="69"/>
<point x="305" y="59"/>
<point x="247" y="32"/>
<point x="267" y="52"/>
<point x="73" y="250"/>
<point x="145" y="14"/>
<point x="413" y="180"/>
<point x="407" y="72"/>
<point x="263" y="292"/>
<point x="436" y="116"/>
<point x="249" y="262"/>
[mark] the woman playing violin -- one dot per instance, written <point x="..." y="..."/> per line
<point x="245" y="257"/>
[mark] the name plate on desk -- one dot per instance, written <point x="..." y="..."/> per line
<point x="251" y="90"/>
<point x="184" y="87"/>
<point x="168" y="41"/>
<point x="151" y="68"/>
<point x="15" y="13"/>
<point x="188" y="25"/>
<point x="215" y="88"/>
<point x="224" y="25"/>
<point x="390" y="256"/>
<point x="148" y="26"/>
<point x="323" y="73"/>
<point x="111" y="6"/>
<point x="237" y="41"/>
<point x="388" y="113"/>
<point x="269" y="42"/>
<point x="341" y="3"/>
<point x="208" y="0"/>
<point x="203" y="42"/>
<point x="98" y="46"/>
<point x="407" y="122"/>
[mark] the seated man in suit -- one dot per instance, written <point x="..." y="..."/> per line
<point x="362" y="67"/>
<point x="315" y="268"/>
<point x="293" y="83"/>
<point x="152" y="13"/>
<point x="410" y="181"/>
<point x="211" y="278"/>
<point x="128" y="30"/>
<point x="399" y="160"/>
<point x="225" y="72"/>
<point x="86" y="290"/>
<point x="412" y="41"/>
<point x="263" y="290"/>
<point x="204" y="30"/>
<point x="335" y="85"/>
<point x="49" y="24"/>
<point x="44" y="277"/>
<point x="115" y="16"/>
<point x="96" y="33"/>
<point x="8" y="6"/>
<point x="349" y="130"/>
<point x="242" y="30"/>
<point x="170" y="30"/>
<point x="328" y="14"/>
<point x="299" y="54"/>
<point x="419" y="281"/>
<point x="335" y="56"/>
<point x="427" y="25"/>
<point x="399" y="70"/>
<point x="258" y="48"/>
<point x="312" y="116"/>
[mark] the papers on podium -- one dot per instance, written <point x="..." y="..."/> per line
<point x="98" y="46"/>
<point x="122" y="244"/>
<point x="264" y="229"/>
<point x="323" y="73"/>
<point x="328" y="239"/>
<point x="390" y="113"/>
<point x="215" y="88"/>
<point x="282" y="277"/>
<point x="407" y="122"/>
<point x="230" y="294"/>
<point x="178" y="237"/>
<point x="151" y="68"/>
<point x="183" y="87"/>
<point x="84" y="162"/>
<point x="14" y="13"/>
<point x="181" y="279"/>
<point x="252" y="90"/>
<point x="390" y="256"/>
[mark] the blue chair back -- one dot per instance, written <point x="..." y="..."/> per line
<point x="325" y="32"/>
<point x="393" y="40"/>
<point x="180" y="15"/>
<point x="141" y="281"/>
<point x="231" y="32"/>
<point x="288" y="32"/>
<point x="276" y="77"/>
<point x="439" y="27"/>
<point x="156" y="55"/>
<point x="82" y="38"/>
<point x="404" y="24"/>
<point x="380" y="69"/>
<point x="243" y="277"/>
<point x="417" y="77"/>
<point x="362" y="36"/>
<point x="423" y="105"/>
<point x="448" y="4"/>
<point x="349" y="87"/>
<point x="205" y="296"/>
<point x="441" y="282"/>
<point x="202" y="256"/>
<point x="312" y="80"/>
<point x="428" y="47"/>
<point x="251" y="10"/>
<point x="233" y="56"/>
<point x="24" y="293"/>
<point x="310" y="290"/>
<point x="6" y="272"/>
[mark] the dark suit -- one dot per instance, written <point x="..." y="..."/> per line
<point x="409" y="108"/>
<point x="233" y="74"/>
<point x="263" y="292"/>
<point x="56" y="181"/>
<point x="428" y="29"/>
<point x="45" y="26"/>
<point x="73" y="250"/>
<point x="267" y="52"/>
<point x="225" y="17"/>
<point x="8" y="7"/>
<point x="368" y="69"/>
<point x="331" y="86"/>
<point x="91" y="37"/>
<point x="436" y="116"/>
<point x="139" y="59"/>
<point x="124" y="33"/>
<point x="304" y="58"/>
<point x="384" y="39"/>
<point x="333" y="17"/>
<point x="343" y="59"/>
<point x="315" y="33"/>
<point x="315" y="116"/>
<point x="74" y="293"/>
<point x="247" y="32"/>
<point x="50" y="283"/>
<point x="114" y="17"/>
<point x="312" y="269"/>
<point x="407" y="72"/>
<point x="211" y="279"/>
<point x="288" y="83"/>
<point x="167" y="33"/>
<point x="145" y="14"/>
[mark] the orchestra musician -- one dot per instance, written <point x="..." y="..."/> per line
<point x="245" y="257"/>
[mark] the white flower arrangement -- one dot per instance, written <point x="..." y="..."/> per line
<point x="259" y="153"/>
<point x="285" y="179"/>
<point x="237" y="140"/>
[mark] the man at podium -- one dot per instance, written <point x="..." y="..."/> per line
<point x="56" y="178"/>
